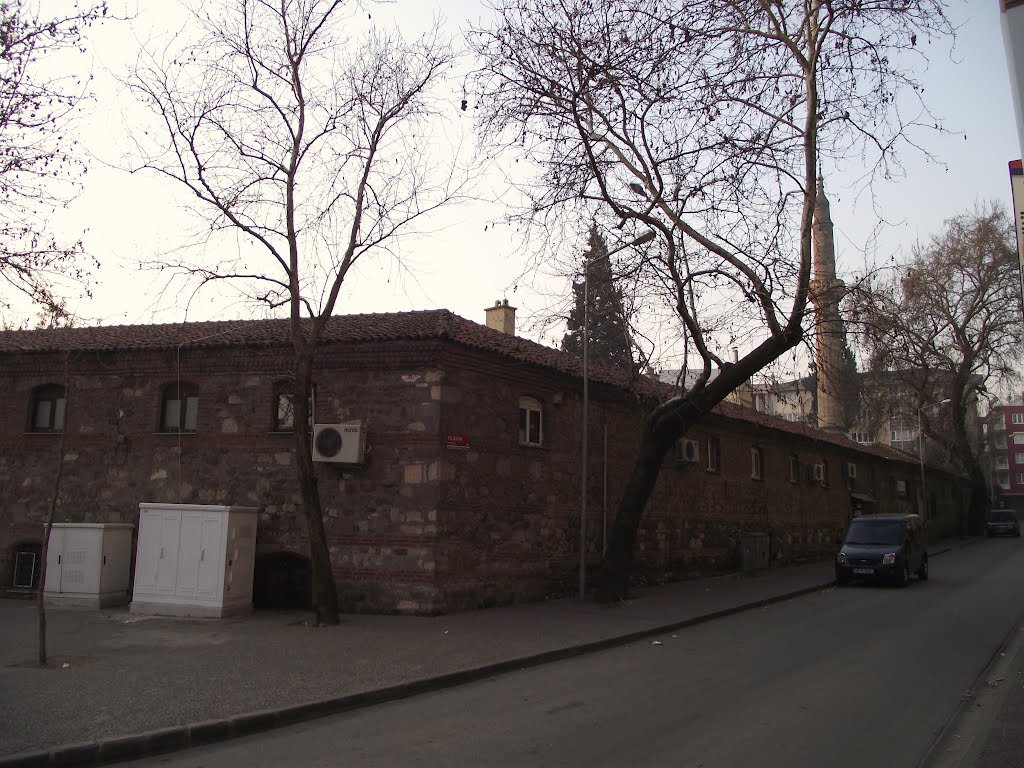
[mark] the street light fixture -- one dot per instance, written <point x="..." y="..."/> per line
<point x="920" y="451"/>
<point x="646" y="237"/>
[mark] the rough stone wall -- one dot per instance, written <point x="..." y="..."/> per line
<point x="422" y="527"/>
<point x="510" y="514"/>
<point x="506" y="531"/>
<point x="380" y="517"/>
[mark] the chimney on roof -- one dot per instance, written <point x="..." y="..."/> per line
<point x="502" y="317"/>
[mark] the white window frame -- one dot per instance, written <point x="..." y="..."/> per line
<point x="1018" y="439"/>
<point x="530" y="413"/>
<point x="794" y="468"/>
<point x="714" y="455"/>
<point x="1017" y="418"/>
<point x="177" y="397"/>
<point x="1019" y="458"/>
<point x="49" y="408"/>
<point x="756" y="463"/>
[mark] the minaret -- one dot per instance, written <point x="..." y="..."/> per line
<point x="826" y="293"/>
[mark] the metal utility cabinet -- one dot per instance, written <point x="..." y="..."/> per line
<point x="87" y="564"/>
<point x="194" y="560"/>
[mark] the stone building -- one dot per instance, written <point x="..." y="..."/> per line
<point x="469" y="491"/>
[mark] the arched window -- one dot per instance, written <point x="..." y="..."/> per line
<point x="48" y="407"/>
<point x="179" y="408"/>
<point x="284" y="406"/>
<point x="531" y="427"/>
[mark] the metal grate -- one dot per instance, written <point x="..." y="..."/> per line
<point x="26" y="570"/>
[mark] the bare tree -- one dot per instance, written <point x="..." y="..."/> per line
<point x="311" y="145"/>
<point x="704" y="121"/>
<point x="948" y="324"/>
<point x="51" y="518"/>
<point x="40" y="162"/>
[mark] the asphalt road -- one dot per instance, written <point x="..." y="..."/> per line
<point x="847" y="677"/>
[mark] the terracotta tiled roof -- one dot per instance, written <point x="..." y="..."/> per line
<point x="738" y="412"/>
<point x="391" y="326"/>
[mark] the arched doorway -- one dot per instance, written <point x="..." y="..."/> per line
<point x="281" y="580"/>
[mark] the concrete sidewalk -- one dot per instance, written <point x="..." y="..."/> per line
<point x="124" y="687"/>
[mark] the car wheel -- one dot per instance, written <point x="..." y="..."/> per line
<point x="904" y="576"/>
<point x="922" y="572"/>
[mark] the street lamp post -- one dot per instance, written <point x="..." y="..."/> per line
<point x="920" y="451"/>
<point x="646" y="237"/>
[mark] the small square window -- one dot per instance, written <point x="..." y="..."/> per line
<point x="530" y="422"/>
<point x="1018" y="418"/>
<point x="180" y="408"/>
<point x="284" y="412"/>
<point x="48" y="409"/>
<point x="756" y="464"/>
<point x="714" y="454"/>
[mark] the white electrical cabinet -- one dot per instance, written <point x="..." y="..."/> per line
<point x="88" y="564"/>
<point x="194" y="560"/>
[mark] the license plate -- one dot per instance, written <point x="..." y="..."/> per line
<point x="864" y="571"/>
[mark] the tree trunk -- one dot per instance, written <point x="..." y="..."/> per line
<point x="972" y="518"/>
<point x="324" y="588"/>
<point x="666" y="424"/>
<point x="51" y="514"/>
<point x="980" y="501"/>
<point x="613" y="580"/>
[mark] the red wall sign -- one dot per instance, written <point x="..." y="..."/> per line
<point x="456" y="441"/>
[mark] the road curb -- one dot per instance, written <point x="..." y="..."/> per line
<point x="165" y="740"/>
<point x="948" y="750"/>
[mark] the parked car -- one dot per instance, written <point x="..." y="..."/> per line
<point x="1002" y="522"/>
<point x="883" y="548"/>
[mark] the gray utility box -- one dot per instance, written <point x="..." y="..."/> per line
<point x="194" y="560"/>
<point x="754" y="552"/>
<point x="87" y="564"/>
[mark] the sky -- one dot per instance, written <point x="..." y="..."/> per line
<point x="471" y="258"/>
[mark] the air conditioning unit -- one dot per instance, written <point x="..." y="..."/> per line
<point x="339" y="443"/>
<point x="851" y="470"/>
<point x="687" y="451"/>
<point x="819" y="473"/>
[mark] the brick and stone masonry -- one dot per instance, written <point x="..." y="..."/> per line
<point x="448" y="511"/>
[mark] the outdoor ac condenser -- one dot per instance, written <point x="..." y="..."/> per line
<point x="339" y="443"/>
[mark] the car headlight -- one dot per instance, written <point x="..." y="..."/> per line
<point x="841" y="558"/>
<point x="889" y="559"/>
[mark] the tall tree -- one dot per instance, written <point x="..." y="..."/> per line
<point x="945" y="324"/>
<point x="598" y="305"/>
<point x="703" y="121"/>
<point x="307" y="140"/>
<point x="40" y="162"/>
